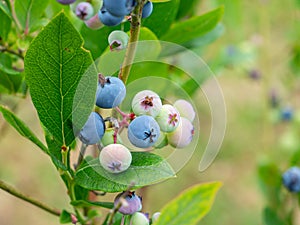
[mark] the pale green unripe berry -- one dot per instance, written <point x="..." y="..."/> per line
<point x="139" y="218"/>
<point x="168" y="118"/>
<point x="115" y="158"/>
<point x="146" y="103"/>
<point x="118" y="40"/>
<point x="162" y="141"/>
<point x="108" y="137"/>
<point x="155" y="216"/>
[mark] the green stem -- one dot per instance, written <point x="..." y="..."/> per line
<point x="134" y="37"/>
<point x="6" y="187"/>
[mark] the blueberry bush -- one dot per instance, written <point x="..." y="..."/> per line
<point x="99" y="75"/>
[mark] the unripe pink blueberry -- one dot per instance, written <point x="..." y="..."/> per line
<point x="131" y="203"/>
<point x="168" y="118"/>
<point x="115" y="158"/>
<point x="84" y="11"/>
<point x="155" y="216"/>
<point x="183" y="135"/>
<point x="139" y="218"/>
<point x="146" y="103"/>
<point x="94" y="23"/>
<point x="185" y="109"/>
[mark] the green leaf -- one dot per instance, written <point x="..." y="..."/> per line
<point x="65" y="217"/>
<point x="164" y="15"/>
<point x="29" y="12"/>
<point x="194" y="27"/>
<point x="62" y="79"/>
<point x="84" y="203"/>
<point x="5" y="19"/>
<point x="9" y="78"/>
<point x="146" y="168"/>
<point x="271" y="217"/>
<point x="190" y="206"/>
<point x="157" y="1"/>
<point x="270" y="181"/>
<point x="186" y="8"/>
<point x="5" y="8"/>
<point x="23" y="130"/>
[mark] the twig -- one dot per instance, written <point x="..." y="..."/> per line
<point x="81" y="155"/>
<point x="134" y="36"/>
<point x="5" y="49"/>
<point x="6" y="187"/>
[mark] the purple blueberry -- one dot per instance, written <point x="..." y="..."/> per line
<point x="111" y="92"/>
<point x="131" y="203"/>
<point x="168" y="119"/>
<point x="108" y="19"/>
<point x="115" y="158"/>
<point x="147" y="9"/>
<point x="119" y="7"/>
<point x="139" y="218"/>
<point x="291" y="179"/>
<point x="146" y="103"/>
<point x="66" y="2"/>
<point x="143" y="131"/>
<point x="183" y="135"/>
<point x="84" y="11"/>
<point x="118" y="40"/>
<point x="93" y="130"/>
<point x="185" y="109"/>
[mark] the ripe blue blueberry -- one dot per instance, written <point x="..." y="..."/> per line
<point x="143" y="131"/>
<point x="66" y="2"/>
<point x="287" y="113"/>
<point x="291" y="179"/>
<point x="111" y="92"/>
<point x="185" y="109"/>
<point x="146" y="103"/>
<point x="115" y="158"/>
<point x="93" y="130"/>
<point x="84" y="11"/>
<point x="131" y="203"/>
<point x="168" y="119"/>
<point x="183" y="135"/>
<point x="147" y="9"/>
<point x="118" y="40"/>
<point x="119" y="7"/>
<point x="108" y="19"/>
<point x="139" y="218"/>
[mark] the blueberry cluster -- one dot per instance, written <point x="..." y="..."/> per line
<point x="156" y="122"/>
<point x="107" y="12"/>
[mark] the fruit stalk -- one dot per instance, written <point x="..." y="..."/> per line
<point x="6" y="187"/>
<point x="134" y="36"/>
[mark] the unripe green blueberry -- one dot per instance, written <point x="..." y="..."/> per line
<point x="108" y="137"/>
<point x="139" y="218"/>
<point x="131" y="203"/>
<point x="118" y="40"/>
<point x="155" y="216"/>
<point x="146" y="103"/>
<point x="162" y="141"/>
<point x="185" y="109"/>
<point x="84" y="11"/>
<point x="115" y="158"/>
<point x="94" y="23"/>
<point x="168" y="118"/>
<point x="183" y="135"/>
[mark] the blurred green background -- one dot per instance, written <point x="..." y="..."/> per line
<point x="256" y="55"/>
